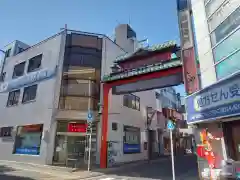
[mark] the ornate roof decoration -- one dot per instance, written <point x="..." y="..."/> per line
<point x="146" y="50"/>
<point x="142" y="70"/>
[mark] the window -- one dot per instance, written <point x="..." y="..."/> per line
<point x="228" y="66"/>
<point x="78" y="103"/>
<point x="29" y="93"/>
<point x="157" y="95"/>
<point x="131" y="101"/>
<point x="7" y="53"/>
<point x="114" y="126"/>
<point x="130" y="32"/>
<point x="34" y="63"/>
<point x="228" y="46"/>
<point x="226" y="27"/>
<point x="131" y="140"/>
<point x="222" y="13"/>
<point x="28" y="139"/>
<point x="6" y="131"/>
<point x="84" y="60"/>
<point x="20" y="50"/>
<point x="2" y="78"/>
<point x="212" y="6"/>
<point x="19" y="70"/>
<point x="13" y="97"/>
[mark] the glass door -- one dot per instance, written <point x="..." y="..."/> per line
<point x="60" y="153"/>
<point x="236" y="139"/>
<point x="75" y="151"/>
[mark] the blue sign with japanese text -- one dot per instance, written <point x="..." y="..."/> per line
<point x="29" y="151"/>
<point x="27" y="79"/>
<point x="131" y="148"/>
<point x="216" y="101"/>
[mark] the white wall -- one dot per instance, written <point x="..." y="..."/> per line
<point x="109" y="53"/>
<point x="126" y="116"/>
<point x="208" y="75"/>
<point x="41" y="110"/>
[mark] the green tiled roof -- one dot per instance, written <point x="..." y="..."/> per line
<point x="143" y="70"/>
<point x="153" y="48"/>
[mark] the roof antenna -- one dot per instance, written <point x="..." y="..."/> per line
<point x="65" y="28"/>
<point x="129" y="21"/>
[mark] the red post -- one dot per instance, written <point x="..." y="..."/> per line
<point x="103" y="156"/>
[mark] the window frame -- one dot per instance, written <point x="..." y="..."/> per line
<point x="5" y="129"/>
<point x="131" y="101"/>
<point x="14" y="76"/>
<point x="14" y="96"/>
<point x="33" y="59"/>
<point x="18" y="137"/>
<point x="24" y="93"/>
<point x="8" y="53"/>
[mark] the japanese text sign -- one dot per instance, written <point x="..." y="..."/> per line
<point x="216" y="101"/>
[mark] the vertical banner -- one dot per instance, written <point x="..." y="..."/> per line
<point x="191" y="80"/>
<point x="190" y="68"/>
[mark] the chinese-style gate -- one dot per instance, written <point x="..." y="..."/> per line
<point x="147" y="68"/>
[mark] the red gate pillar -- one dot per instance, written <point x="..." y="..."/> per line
<point x="103" y="156"/>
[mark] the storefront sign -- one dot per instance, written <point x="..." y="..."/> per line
<point x="219" y="100"/>
<point x="27" y="79"/>
<point x="131" y="143"/>
<point x="131" y="148"/>
<point x="77" y="127"/>
<point x="29" y="151"/>
<point x="32" y="128"/>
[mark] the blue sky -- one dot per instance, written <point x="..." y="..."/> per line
<point x="31" y="21"/>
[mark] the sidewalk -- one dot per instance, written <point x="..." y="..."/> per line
<point x="68" y="173"/>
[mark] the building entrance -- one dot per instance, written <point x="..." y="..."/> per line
<point x="69" y="151"/>
<point x="232" y="139"/>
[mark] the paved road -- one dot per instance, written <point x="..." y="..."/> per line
<point x="186" y="169"/>
<point x="23" y="173"/>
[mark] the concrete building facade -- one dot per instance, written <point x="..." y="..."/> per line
<point x="48" y="90"/>
<point x="214" y="109"/>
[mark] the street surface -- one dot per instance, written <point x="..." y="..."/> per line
<point x="186" y="169"/>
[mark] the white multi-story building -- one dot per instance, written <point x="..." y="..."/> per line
<point x="217" y="33"/>
<point x="215" y="108"/>
<point x="48" y="90"/>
